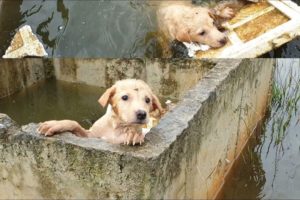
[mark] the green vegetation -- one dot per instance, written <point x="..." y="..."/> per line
<point x="285" y="99"/>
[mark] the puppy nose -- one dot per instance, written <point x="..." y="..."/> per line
<point x="141" y="115"/>
<point x="223" y="41"/>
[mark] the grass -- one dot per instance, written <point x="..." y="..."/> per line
<point x="285" y="100"/>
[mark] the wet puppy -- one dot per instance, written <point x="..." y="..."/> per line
<point x="130" y="103"/>
<point x="185" y="22"/>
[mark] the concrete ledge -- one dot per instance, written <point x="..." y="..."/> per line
<point x="185" y="156"/>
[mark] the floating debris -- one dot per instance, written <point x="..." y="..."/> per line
<point x="24" y="44"/>
<point x="193" y="48"/>
<point x="155" y="117"/>
<point x="170" y="105"/>
<point x="61" y="27"/>
<point x="227" y="161"/>
<point x="152" y="123"/>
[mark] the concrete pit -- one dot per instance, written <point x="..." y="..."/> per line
<point x="187" y="155"/>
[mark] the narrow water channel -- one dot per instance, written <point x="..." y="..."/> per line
<point x="269" y="168"/>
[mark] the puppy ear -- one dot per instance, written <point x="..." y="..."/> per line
<point x="212" y="13"/>
<point x="108" y="94"/>
<point x="156" y="104"/>
<point x="183" y="36"/>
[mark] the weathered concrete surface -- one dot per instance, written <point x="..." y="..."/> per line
<point x="231" y="100"/>
<point x="183" y="157"/>
<point x="36" y="167"/>
<point x="178" y="75"/>
<point x="25" y="44"/>
<point x="19" y="73"/>
<point x="7" y="126"/>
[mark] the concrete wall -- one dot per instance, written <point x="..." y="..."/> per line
<point x="214" y="122"/>
<point x="19" y="73"/>
<point x="168" y="78"/>
<point x="186" y="156"/>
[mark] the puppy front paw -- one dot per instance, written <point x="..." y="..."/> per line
<point x="138" y="139"/>
<point x="133" y="138"/>
<point x="47" y="128"/>
<point x="226" y="13"/>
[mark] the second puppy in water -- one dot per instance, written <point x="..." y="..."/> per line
<point x="185" y="22"/>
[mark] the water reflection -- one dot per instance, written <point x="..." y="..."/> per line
<point x="270" y="168"/>
<point x="248" y="177"/>
<point x="110" y="29"/>
<point x="53" y="99"/>
<point x="88" y="79"/>
<point x="10" y="18"/>
<point x="44" y="32"/>
<point x="86" y="28"/>
<point x="95" y="28"/>
<point x="43" y="16"/>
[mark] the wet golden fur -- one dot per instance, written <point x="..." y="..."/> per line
<point x="121" y="123"/>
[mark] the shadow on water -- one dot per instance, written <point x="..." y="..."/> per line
<point x="96" y="28"/>
<point x="269" y="168"/>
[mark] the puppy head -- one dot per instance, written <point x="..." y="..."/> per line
<point x="199" y="27"/>
<point x="131" y="100"/>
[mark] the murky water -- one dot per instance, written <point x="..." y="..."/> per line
<point x="269" y="168"/>
<point x="71" y="28"/>
<point x="95" y="28"/>
<point x="53" y="99"/>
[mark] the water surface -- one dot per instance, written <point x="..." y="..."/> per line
<point x="269" y="168"/>
<point x="90" y="28"/>
<point x="96" y="28"/>
<point x="54" y="100"/>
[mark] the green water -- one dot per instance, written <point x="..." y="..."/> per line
<point x="53" y="99"/>
<point x="269" y="168"/>
<point x="56" y="100"/>
<point x="90" y="28"/>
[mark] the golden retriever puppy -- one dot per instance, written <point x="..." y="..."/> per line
<point x="130" y="103"/>
<point x="185" y="22"/>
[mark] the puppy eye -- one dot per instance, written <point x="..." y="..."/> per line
<point x="202" y="33"/>
<point x="147" y="100"/>
<point x="125" y="97"/>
